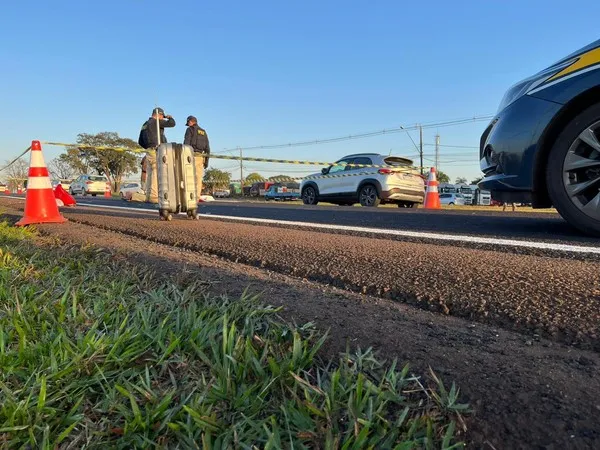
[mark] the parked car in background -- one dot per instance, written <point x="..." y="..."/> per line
<point x="392" y="180"/>
<point x="283" y="191"/>
<point x="221" y="193"/>
<point x="133" y="188"/>
<point x="89" y="185"/>
<point x="66" y="184"/>
<point x="543" y="145"/>
<point x="452" y="199"/>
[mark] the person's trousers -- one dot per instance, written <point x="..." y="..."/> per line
<point x="151" y="177"/>
<point x="199" y="163"/>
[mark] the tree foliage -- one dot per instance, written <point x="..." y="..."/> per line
<point x="254" y="177"/>
<point x="461" y="180"/>
<point x="111" y="163"/>
<point x="16" y="175"/>
<point x="281" y="178"/>
<point x="216" y="179"/>
<point x="61" y="169"/>
<point x="442" y="177"/>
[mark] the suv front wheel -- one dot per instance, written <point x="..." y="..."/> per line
<point x="309" y="196"/>
<point x="368" y="196"/>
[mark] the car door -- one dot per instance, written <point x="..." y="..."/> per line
<point x="357" y="174"/>
<point x="329" y="184"/>
<point x="76" y="186"/>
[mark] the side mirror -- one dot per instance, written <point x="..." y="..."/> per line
<point x="325" y="170"/>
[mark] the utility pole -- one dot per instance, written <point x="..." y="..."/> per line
<point x="241" y="171"/>
<point x="437" y="152"/>
<point x="421" y="146"/>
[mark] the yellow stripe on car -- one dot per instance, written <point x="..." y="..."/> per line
<point x="587" y="59"/>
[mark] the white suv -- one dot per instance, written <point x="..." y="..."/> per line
<point x="89" y="185"/>
<point x="393" y="181"/>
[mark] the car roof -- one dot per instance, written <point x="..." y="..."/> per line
<point x="361" y="154"/>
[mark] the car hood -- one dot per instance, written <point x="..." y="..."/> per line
<point x="579" y="52"/>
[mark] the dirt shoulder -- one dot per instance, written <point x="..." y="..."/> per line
<point x="527" y="392"/>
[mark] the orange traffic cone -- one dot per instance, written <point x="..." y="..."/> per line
<point x="66" y="198"/>
<point x="40" y="204"/>
<point x="432" y="197"/>
<point x="107" y="193"/>
<point x="6" y="191"/>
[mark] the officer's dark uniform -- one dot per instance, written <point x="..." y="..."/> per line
<point x="196" y="137"/>
<point x="148" y="139"/>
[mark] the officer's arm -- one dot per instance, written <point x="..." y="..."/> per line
<point x="169" y="123"/>
<point x="207" y="144"/>
<point x="187" y="140"/>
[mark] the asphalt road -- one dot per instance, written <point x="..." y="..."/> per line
<point x="543" y="227"/>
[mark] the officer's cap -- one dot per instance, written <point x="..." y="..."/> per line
<point x="191" y="118"/>
<point x="158" y="111"/>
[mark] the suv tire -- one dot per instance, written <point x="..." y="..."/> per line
<point x="309" y="196"/>
<point x="368" y="196"/>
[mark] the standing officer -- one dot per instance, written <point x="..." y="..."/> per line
<point x="198" y="139"/>
<point x="149" y="135"/>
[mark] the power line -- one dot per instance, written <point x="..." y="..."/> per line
<point x="394" y="130"/>
<point x="453" y="146"/>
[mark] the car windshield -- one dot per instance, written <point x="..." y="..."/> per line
<point x="398" y="161"/>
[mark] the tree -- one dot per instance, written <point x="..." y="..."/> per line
<point x="442" y="177"/>
<point x="476" y="180"/>
<point x="61" y="169"/>
<point x="17" y="174"/>
<point x="111" y="163"/>
<point x="281" y="178"/>
<point x="253" y="178"/>
<point x="216" y="179"/>
<point x="461" y="180"/>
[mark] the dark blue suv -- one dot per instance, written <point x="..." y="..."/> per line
<point x="543" y="145"/>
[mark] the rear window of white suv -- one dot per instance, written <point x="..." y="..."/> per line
<point x="97" y="178"/>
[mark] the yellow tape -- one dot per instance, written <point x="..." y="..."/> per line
<point x="237" y="158"/>
<point x="16" y="159"/>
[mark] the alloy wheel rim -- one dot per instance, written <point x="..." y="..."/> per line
<point x="581" y="171"/>
<point x="310" y="195"/>
<point x="368" y="196"/>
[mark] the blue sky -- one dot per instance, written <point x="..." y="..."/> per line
<point x="270" y="72"/>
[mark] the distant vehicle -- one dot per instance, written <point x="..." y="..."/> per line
<point x="452" y="199"/>
<point x="543" y="145"/>
<point x="89" y="185"/>
<point x="221" y="193"/>
<point x="133" y="188"/>
<point x="65" y="184"/>
<point x="259" y="189"/>
<point x="393" y="181"/>
<point x="287" y="191"/>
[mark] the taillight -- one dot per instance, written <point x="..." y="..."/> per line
<point x="88" y="182"/>
<point x="385" y="171"/>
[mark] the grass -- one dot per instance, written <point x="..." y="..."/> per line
<point x="98" y="353"/>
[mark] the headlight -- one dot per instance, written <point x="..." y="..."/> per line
<point x="529" y="84"/>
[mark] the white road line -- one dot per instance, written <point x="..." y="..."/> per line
<point x="388" y="232"/>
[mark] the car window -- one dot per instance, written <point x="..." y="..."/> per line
<point x="459" y="196"/>
<point x="361" y="160"/>
<point x="97" y="178"/>
<point x="337" y="169"/>
<point x="445" y="195"/>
